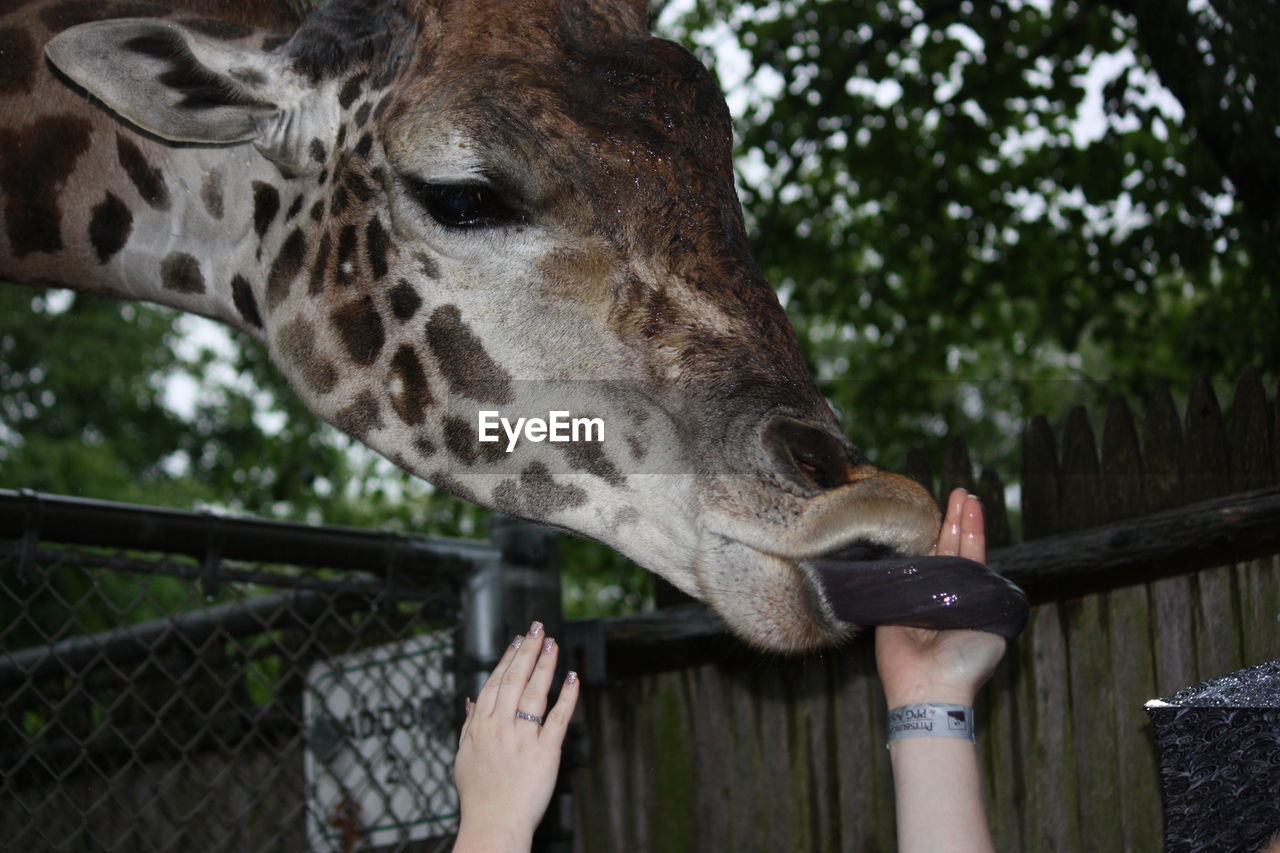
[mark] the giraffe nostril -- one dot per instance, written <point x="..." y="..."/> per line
<point x="810" y="456"/>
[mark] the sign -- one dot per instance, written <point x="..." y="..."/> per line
<point x="380" y="746"/>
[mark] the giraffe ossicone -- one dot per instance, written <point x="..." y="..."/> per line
<point x="428" y="209"/>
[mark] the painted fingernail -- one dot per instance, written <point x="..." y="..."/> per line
<point x="535" y="630"/>
<point x="547" y="644"/>
<point x="571" y="678"/>
<point x="515" y="643"/>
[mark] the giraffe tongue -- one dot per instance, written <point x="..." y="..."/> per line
<point x="920" y="592"/>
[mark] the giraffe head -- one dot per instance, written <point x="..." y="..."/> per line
<point x="523" y="207"/>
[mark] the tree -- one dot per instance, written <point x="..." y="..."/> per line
<point x="964" y="239"/>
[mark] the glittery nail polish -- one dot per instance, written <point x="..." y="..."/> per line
<point x="535" y="630"/>
<point x="571" y="678"/>
<point x="515" y="643"/>
<point x="547" y="644"/>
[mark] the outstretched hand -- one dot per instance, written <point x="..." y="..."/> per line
<point x="922" y="665"/>
<point x="506" y="765"/>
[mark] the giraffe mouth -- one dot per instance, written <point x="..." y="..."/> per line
<point x="868" y="584"/>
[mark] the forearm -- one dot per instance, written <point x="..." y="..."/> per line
<point x="938" y="796"/>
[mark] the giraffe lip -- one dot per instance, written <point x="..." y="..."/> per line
<point x="857" y="585"/>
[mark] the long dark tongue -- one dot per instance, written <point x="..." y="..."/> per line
<point x="920" y="592"/>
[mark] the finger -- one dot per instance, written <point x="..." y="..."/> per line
<point x="534" y="699"/>
<point x="513" y="681"/>
<point x="561" y="713"/>
<point x="470" y="712"/>
<point x="949" y="536"/>
<point x="489" y="692"/>
<point x="973" y="531"/>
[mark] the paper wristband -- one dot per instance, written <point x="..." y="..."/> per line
<point x="931" y="720"/>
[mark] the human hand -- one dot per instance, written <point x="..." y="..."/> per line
<point x="506" y="766"/>
<point x="923" y="665"/>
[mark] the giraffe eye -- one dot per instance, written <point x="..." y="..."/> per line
<point x="463" y="205"/>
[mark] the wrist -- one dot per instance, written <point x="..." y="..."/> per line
<point x="947" y="695"/>
<point x="490" y="836"/>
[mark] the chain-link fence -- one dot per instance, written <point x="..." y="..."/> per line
<point x="178" y="681"/>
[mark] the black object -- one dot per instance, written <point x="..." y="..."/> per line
<point x="920" y="592"/>
<point x="1219" y="745"/>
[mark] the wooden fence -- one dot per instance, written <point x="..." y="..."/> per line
<point x="1153" y="564"/>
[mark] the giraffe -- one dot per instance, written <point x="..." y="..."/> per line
<point x="429" y="210"/>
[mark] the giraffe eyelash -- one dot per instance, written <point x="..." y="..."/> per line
<point x="463" y="205"/>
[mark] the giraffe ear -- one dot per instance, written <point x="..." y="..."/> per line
<point x="171" y="81"/>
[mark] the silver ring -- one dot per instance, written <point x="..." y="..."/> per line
<point x="521" y="715"/>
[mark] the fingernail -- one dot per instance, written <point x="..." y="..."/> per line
<point x="547" y="644"/>
<point x="535" y="630"/>
<point x="515" y="643"/>
<point x="571" y="678"/>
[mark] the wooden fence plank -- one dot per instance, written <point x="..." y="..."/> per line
<point x="1206" y="462"/>
<point x="1260" y="610"/>
<point x="1133" y="676"/>
<point x="991" y="493"/>
<point x="1000" y="745"/>
<point x="1251" y="441"/>
<point x="1161" y="450"/>
<point x="1092" y="701"/>
<point x="1079" y="489"/>
<point x="1039" y="480"/>
<point x="866" y="801"/>
<point x="917" y="467"/>
<point x="1052" y="791"/>
<point x="1216" y="622"/>
<point x="1123" y="491"/>
<point x="957" y="470"/>
<point x="1174" y="635"/>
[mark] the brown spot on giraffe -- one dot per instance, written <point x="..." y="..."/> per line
<point x="463" y="361"/>
<point x="348" y="244"/>
<point x="266" y="204"/>
<point x="180" y="272"/>
<point x="536" y="493"/>
<point x="351" y="90"/>
<point x="211" y="193"/>
<point x="147" y="179"/>
<point x="285" y="268"/>
<point x="404" y="300"/>
<point x="359" y="326"/>
<point x="320" y="266"/>
<point x="589" y="456"/>
<point x="109" y="225"/>
<point x="245" y="302"/>
<point x="462" y="441"/>
<point x="378" y="245"/>
<point x="18" y="61"/>
<point x="361" y="417"/>
<point x="297" y="342"/>
<point x="35" y="162"/>
<point x="410" y="395"/>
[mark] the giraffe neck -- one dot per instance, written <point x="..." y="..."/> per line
<point x="90" y="203"/>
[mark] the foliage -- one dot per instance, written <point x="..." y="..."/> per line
<point x="964" y="238"/>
